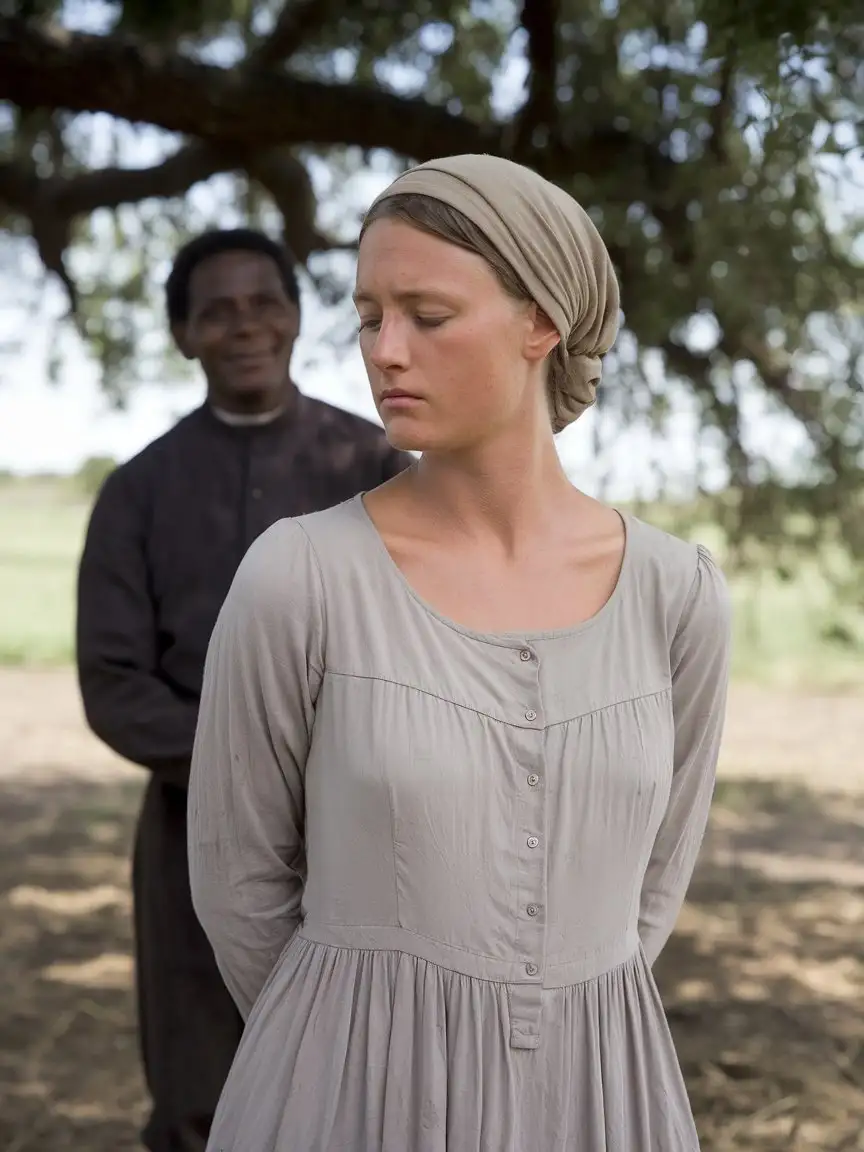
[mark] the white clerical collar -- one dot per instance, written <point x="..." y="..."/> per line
<point x="247" y="420"/>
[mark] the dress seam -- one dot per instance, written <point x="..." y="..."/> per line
<point x="455" y="971"/>
<point x="322" y="596"/>
<point x="637" y="699"/>
<point x="409" y="932"/>
<point x="589" y="953"/>
<point x="388" y="789"/>
<point x="479" y="711"/>
<point x="689" y="601"/>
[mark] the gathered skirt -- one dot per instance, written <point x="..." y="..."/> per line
<point x="353" y="1050"/>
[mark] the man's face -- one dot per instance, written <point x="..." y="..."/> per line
<point x="241" y="327"/>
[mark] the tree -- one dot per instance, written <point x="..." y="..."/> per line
<point x="706" y="137"/>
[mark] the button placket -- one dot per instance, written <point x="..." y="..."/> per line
<point x="526" y="996"/>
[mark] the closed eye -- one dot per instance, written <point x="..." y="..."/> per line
<point x="373" y="322"/>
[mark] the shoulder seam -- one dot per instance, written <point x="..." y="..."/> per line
<point x="698" y="552"/>
<point x="321" y="592"/>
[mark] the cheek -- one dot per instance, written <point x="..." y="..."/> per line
<point x="207" y="340"/>
<point x="209" y="335"/>
<point x="285" y="327"/>
<point x="485" y="384"/>
<point x="471" y="362"/>
<point x="366" y="345"/>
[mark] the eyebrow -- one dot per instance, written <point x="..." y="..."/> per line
<point x="225" y="302"/>
<point x="410" y="297"/>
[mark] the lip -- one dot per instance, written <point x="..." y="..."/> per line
<point x="397" y="398"/>
<point x="251" y="359"/>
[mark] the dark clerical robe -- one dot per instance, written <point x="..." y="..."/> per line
<point x="165" y="538"/>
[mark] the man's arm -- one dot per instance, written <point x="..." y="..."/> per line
<point x="126" y="702"/>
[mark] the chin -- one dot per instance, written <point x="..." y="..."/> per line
<point x="253" y="394"/>
<point x="407" y="440"/>
<point x="255" y="386"/>
<point x="418" y="436"/>
<point x="407" y="435"/>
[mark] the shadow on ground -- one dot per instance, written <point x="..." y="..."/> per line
<point x="68" y="1049"/>
<point x="764" y="979"/>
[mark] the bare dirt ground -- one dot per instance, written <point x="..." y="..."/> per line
<point x="763" y="980"/>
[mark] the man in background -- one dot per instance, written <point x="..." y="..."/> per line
<point x="166" y="535"/>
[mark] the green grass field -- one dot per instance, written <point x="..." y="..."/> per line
<point x="41" y="532"/>
<point x="780" y="626"/>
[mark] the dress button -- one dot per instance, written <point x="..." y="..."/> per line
<point x="531" y="969"/>
<point x="524" y="654"/>
<point x="532" y="909"/>
<point x="533" y="841"/>
<point x="533" y="780"/>
<point x="530" y="714"/>
<point x="256" y="493"/>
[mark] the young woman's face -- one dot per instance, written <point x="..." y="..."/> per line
<point x="451" y="358"/>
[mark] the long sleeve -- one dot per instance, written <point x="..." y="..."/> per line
<point x="126" y="703"/>
<point x="246" y="789"/>
<point x="700" y="673"/>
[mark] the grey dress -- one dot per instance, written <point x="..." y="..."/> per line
<point x="436" y="866"/>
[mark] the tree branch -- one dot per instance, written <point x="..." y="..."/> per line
<point x="110" y="187"/>
<point x="698" y="366"/>
<point x="721" y="113"/>
<point x="233" y="109"/>
<point x="229" y="108"/>
<point x="237" y="116"/>
<point x="79" y="72"/>
<point x="22" y="190"/>
<point x="295" y="24"/>
<point x="286" y="180"/>
<point x="51" y="204"/>
<point x="539" y="20"/>
<point x="775" y="374"/>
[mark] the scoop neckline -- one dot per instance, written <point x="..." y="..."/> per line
<point x="503" y="639"/>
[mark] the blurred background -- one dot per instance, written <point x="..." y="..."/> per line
<point x="718" y="147"/>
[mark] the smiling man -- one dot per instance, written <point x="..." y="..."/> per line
<point x="166" y="535"/>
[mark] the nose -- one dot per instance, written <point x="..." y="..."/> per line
<point x="389" y="349"/>
<point x="246" y="319"/>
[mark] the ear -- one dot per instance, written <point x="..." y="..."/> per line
<point x="181" y="339"/>
<point x="542" y="335"/>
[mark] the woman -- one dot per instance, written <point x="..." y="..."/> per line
<point x="458" y="736"/>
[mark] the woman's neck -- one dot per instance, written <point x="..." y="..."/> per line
<point x="503" y="494"/>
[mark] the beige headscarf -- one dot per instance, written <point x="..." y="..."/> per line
<point x="550" y="241"/>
